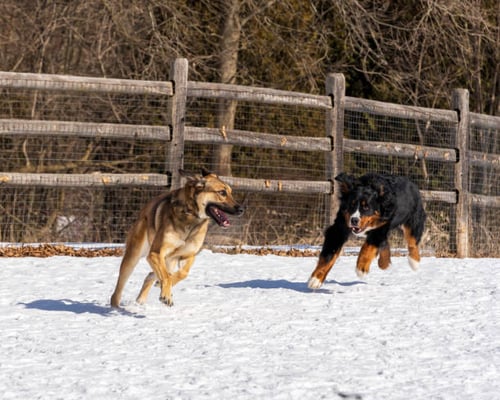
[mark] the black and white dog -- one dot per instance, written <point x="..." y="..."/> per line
<point x="370" y="207"/>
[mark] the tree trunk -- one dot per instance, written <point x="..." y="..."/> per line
<point x="231" y="32"/>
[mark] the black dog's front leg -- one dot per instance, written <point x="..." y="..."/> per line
<point x="335" y="237"/>
<point x="376" y="241"/>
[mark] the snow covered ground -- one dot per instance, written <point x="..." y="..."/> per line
<point x="247" y="327"/>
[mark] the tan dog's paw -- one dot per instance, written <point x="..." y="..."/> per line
<point x="167" y="301"/>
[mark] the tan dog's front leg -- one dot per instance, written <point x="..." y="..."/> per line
<point x="146" y="286"/>
<point x="183" y="272"/>
<point x="157" y="262"/>
<point x="166" y="291"/>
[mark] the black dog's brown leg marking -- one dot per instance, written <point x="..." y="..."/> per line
<point x="335" y="237"/>
<point x="322" y="269"/>
<point x="413" y="253"/>
<point x="384" y="258"/>
<point x="366" y="255"/>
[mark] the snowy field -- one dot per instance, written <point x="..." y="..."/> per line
<point x="247" y="327"/>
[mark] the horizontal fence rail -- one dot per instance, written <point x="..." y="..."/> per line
<point x="400" y="150"/>
<point x="398" y="110"/>
<point x="257" y="95"/>
<point x="86" y="129"/>
<point x="184" y="132"/>
<point x="256" y="139"/>
<point x="83" y="180"/>
<point x="29" y="81"/>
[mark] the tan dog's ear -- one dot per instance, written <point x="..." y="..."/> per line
<point x="194" y="180"/>
<point x="200" y="184"/>
<point x="206" y="172"/>
<point x="185" y="174"/>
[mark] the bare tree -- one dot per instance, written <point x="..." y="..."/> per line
<point x="420" y="50"/>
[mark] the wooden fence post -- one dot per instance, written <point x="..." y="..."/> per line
<point x="460" y="103"/>
<point x="335" y="88"/>
<point x="177" y="113"/>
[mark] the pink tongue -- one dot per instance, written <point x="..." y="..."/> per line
<point x="220" y="217"/>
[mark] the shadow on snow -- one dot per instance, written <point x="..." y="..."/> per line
<point x="77" y="307"/>
<point x="284" y="284"/>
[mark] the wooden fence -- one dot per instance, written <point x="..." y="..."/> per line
<point x="334" y="144"/>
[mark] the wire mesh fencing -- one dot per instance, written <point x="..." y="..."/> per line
<point x="484" y="180"/>
<point x="90" y="134"/>
<point x="270" y="218"/>
<point x="47" y="213"/>
<point x="427" y="174"/>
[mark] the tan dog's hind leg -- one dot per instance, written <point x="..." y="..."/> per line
<point x="133" y="252"/>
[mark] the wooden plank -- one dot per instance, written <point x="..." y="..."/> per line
<point x="485" y="201"/>
<point x="275" y="186"/>
<point x="334" y="126"/>
<point x="21" y="80"/>
<point x="435" y="195"/>
<point x="478" y="158"/>
<point x="482" y="121"/>
<point x="255" y="139"/>
<point x="82" y="180"/>
<point x="177" y="114"/>
<point x="155" y="180"/>
<point x="460" y="102"/>
<point x="400" y="150"/>
<point x="82" y="129"/>
<point x="399" y="110"/>
<point x="256" y="94"/>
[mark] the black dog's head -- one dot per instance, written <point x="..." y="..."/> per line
<point x="365" y="204"/>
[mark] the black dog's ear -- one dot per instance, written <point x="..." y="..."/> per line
<point x="378" y="184"/>
<point x="379" y="188"/>
<point x="386" y="199"/>
<point x="347" y="182"/>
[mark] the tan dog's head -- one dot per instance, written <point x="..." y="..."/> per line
<point x="213" y="197"/>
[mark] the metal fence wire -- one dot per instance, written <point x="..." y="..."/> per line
<point x="427" y="174"/>
<point x="269" y="219"/>
<point x="88" y="213"/>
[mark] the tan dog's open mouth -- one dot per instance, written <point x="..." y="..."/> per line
<point x="218" y="216"/>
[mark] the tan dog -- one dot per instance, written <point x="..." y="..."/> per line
<point x="171" y="230"/>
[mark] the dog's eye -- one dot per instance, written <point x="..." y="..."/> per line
<point x="223" y="193"/>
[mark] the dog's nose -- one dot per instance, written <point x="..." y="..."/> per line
<point x="354" y="221"/>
